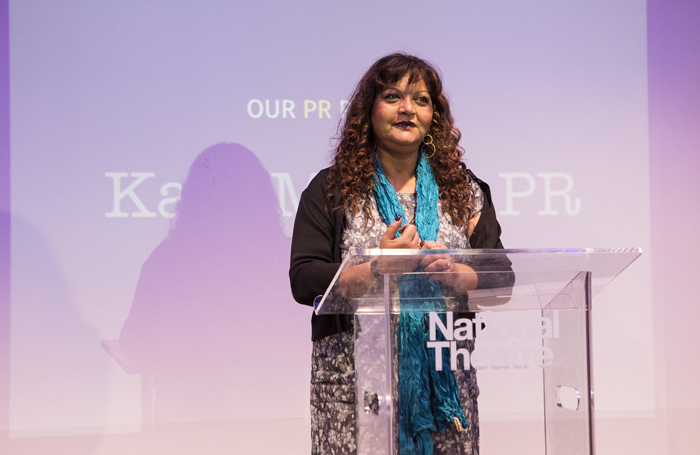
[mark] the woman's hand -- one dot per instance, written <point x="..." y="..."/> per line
<point x="409" y="236"/>
<point x="358" y="279"/>
<point x="409" y="239"/>
<point x="460" y="277"/>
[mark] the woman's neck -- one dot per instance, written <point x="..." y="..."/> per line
<point x="400" y="171"/>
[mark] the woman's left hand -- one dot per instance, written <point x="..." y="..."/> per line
<point x="436" y="263"/>
<point x="460" y="277"/>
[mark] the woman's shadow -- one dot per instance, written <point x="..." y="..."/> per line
<point x="212" y="322"/>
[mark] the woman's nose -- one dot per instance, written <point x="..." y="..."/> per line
<point x="406" y="106"/>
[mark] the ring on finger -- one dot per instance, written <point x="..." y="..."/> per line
<point x="449" y="264"/>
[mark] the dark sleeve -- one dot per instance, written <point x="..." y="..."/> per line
<point x="314" y="261"/>
<point x="487" y="235"/>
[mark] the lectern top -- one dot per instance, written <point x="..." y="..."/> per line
<point x="508" y="280"/>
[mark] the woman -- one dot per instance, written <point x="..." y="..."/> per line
<point x="398" y="159"/>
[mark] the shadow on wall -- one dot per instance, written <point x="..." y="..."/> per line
<point x="59" y="374"/>
<point x="213" y="324"/>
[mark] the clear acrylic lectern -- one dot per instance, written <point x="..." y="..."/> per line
<point x="529" y="317"/>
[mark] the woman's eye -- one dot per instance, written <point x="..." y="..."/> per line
<point x="423" y="99"/>
<point x="391" y="96"/>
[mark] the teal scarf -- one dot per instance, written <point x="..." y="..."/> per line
<point x="428" y="399"/>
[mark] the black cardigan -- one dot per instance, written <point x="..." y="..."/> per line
<point x="316" y="254"/>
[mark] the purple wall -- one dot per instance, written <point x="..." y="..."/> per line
<point x="674" y="155"/>
<point x="674" y="161"/>
<point x="4" y="218"/>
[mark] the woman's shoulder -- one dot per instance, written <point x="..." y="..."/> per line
<point x="315" y="197"/>
<point x="474" y="178"/>
<point x="317" y="188"/>
<point x="318" y="185"/>
<point x="483" y="186"/>
<point x="320" y="180"/>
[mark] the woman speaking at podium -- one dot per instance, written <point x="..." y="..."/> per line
<point x="397" y="181"/>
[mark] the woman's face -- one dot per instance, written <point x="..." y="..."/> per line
<point x="401" y="116"/>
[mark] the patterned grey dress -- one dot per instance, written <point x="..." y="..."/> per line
<point x="333" y="394"/>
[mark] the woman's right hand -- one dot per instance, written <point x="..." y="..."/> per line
<point x="409" y="236"/>
<point x="409" y="239"/>
<point x="356" y="280"/>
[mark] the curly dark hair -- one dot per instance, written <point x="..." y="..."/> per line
<point x="352" y="172"/>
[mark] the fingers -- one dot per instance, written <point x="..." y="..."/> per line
<point x="392" y="229"/>
<point x="408" y="228"/>
<point x="431" y="245"/>
<point x="409" y="235"/>
<point x="430" y="258"/>
<point x="408" y="238"/>
<point x="432" y="262"/>
<point x="437" y="263"/>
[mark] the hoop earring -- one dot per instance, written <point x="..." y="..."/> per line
<point x="428" y="142"/>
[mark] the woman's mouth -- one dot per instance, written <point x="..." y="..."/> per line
<point x="404" y="124"/>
